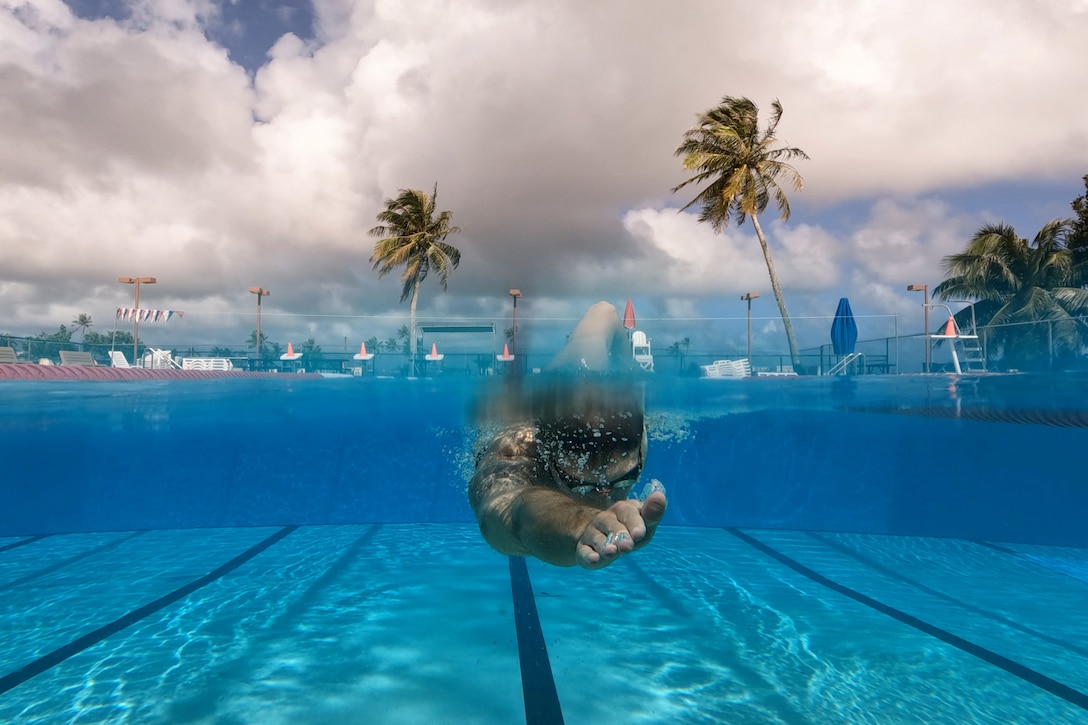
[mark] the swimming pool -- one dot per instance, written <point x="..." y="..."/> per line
<point x="882" y="549"/>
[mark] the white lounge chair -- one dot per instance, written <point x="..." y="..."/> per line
<point x="640" y="350"/>
<point x="118" y="359"/>
<point x="207" y="363"/>
<point x="728" y="369"/>
<point x="7" y="355"/>
<point x="72" y="357"/>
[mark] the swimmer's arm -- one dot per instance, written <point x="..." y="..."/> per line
<point x="535" y="521"/>
<point x="518" y="515"/>
<point x="545" y="523"/>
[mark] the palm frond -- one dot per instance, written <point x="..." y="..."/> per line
<point x="739" y="164"/>
<point x="411" y="236"/>
<point x="1031" y="293"/>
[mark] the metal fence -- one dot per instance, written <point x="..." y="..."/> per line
<point x="679" y="347"/>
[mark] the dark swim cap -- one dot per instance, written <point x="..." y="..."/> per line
<point x="592" y="432"/>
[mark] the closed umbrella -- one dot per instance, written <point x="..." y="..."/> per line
<point x="629" y="315"/>
<point x="844" y="331"/>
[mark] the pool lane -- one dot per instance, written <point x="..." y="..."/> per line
<point x="1062" y="559"/>
<point x="55" y="657"/>
<point x="420" y="623"/>
<point x="367" y="624"/>
<point x="1022" y="617"/>
<point x="51" y="611"/>
<point x="28" y="555"/>
<point x="43" y="563"/>
<point x="1022" y="592"/>
<point x="8" y="543"/>
<point x="703" y="627"/>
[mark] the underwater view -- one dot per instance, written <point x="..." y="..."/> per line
<point x="879" y="549"/>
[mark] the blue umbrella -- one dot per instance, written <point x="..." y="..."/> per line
<point x="844" y="331"/>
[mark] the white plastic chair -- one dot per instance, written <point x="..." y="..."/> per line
<point x="640" y="350"/>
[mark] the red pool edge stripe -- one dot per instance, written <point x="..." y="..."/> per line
<point x="30" y="371"/>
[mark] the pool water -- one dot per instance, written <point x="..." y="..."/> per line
<point x="300" y="552"/>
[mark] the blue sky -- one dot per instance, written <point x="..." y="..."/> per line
<point x="222" y="145"/>
<point x="246" y="29"/>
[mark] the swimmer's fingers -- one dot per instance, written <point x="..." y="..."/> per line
<point x="620" y="529"/>
<point x="603" y="540"/>
<point x="642" y="518"/>
<point x="653" y="508"/>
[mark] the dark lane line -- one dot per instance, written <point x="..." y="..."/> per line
<point x="537" y="683"/>
<point x="300" y="606"/>
<point x="1033" y="416"/>
<point x="54" y="658"/>
<point x="70" y="560"/>
<point x="974" y="609"/>
<point x="1069" y="694"/>
<point x="746" y="675"/>
<point x="24" y="542"/>
<point x="997" y="547"/>
<point x="1031" y="559"/>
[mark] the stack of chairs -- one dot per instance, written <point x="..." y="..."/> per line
<point x="728" y="369"/>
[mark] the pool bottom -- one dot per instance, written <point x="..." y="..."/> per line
<point x="425" y="624"/>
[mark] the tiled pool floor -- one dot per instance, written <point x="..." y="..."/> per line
<point x="425" y="624"/>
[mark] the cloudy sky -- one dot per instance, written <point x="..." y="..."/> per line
<point x="222" y="145"/>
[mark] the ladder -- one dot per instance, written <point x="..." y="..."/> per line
<point x="974" y="360"/>
<point x="843" y="365"/>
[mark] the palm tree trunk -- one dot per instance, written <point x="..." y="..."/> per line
<point x="412" y="329"/>
<point x="795" y="357"/>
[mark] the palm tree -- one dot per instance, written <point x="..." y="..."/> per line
<point x="252" y="342"/>
<point x="679" y="349"/>
<point x="82" y="323"/>
<point x="742" y="165"/>
<point x="1010" y="280"/>
<point x="311" y="355"/>
<point x="1078" y="232"/>
<point x="411" y="235"/>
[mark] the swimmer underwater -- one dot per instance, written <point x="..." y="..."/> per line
<point x="554" y="482"/>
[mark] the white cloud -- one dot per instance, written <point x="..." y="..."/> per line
<point x="906" y="240"/>
<point x="139" y="148"/>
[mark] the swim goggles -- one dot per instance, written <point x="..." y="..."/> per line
<point x="584" y="487"/>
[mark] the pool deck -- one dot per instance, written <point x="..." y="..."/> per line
<point x="30" y="371"/>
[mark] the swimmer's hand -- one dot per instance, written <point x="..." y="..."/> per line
<point x="620" y="529"/>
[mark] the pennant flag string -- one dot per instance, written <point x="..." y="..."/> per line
<point x="132" y="313"/>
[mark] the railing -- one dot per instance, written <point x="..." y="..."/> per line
<point x="892" y="354"/>
<point x="857" y="359"/>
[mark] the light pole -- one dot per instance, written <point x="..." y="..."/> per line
<point x="748" y="298"/>
<point x="515" y="293"/>
<point x="136" y="281"/>
<point x="260" y="292"/>
<point x="924" y="289"/>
